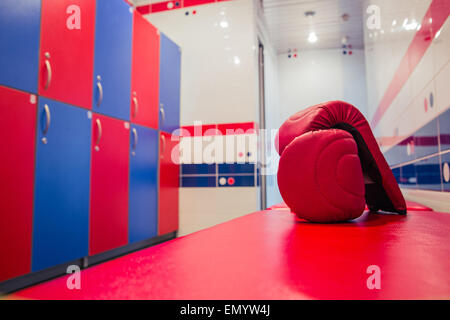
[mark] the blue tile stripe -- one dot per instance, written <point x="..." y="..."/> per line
<point x="219" y="175"/>
<point x="237" y="181"/>
<point x="198" y="169"/>
<point x="225" y="168"/>
<point x="421" y="160"/>
<point x="198" y="181"/>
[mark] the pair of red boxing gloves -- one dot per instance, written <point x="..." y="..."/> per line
<point x="331" y="166"/>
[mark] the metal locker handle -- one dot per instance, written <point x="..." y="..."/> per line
<point x="100" y="90"/>
<point x="136" y="107"/>
<point x="48" y="118"/>
<point x="163" y="114"/>
<point x="163" y="149"/>
<point x="135" y="136"/>
<point x="100" y="131"/>
<point x="49" y="74"/>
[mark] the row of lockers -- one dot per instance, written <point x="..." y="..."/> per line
<point x="77" y="183"/>
<point x="95" y="54"/>
<point x="87" y="165"/>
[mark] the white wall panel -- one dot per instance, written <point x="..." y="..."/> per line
<point x="318" y="76"/>
<point x="219" y="75"/>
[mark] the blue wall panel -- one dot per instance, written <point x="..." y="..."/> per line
<point x="445" y="158"/>
<point x="426" y="140"/>
<point x="408" y="177"/>
<point x="225" y="168"/>
<point x="198" y="181"/>
<point x="428" y="174"/>
<point x="196" y="169"/>
<point x="413" y="171"/>
<point x="444" y="130"/>
<point x="237" y="181"/>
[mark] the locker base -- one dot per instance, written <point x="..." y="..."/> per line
<point x="85" y="262"/>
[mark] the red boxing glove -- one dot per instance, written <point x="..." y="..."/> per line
<point x="331" y="165"/>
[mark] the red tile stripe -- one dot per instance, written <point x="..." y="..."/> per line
<point x="219" y="129"/>
<point x="432" y="22"/>
<point x="172" y="5"/>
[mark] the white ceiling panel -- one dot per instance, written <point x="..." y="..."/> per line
<point x="289" y="27"/>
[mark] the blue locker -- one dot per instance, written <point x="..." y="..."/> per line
<point x="112" y="62"/>
<point x="169" y="85"/>
<point x="19" y="43"/>
<point x="143" y="204"/>
<point x="61" y="199"/>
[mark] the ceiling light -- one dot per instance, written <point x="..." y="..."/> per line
<point x="310" y="13"/>
<point x="312" y="38"/>
<point x="410" y="26"/>
<point x="224" y="24"/>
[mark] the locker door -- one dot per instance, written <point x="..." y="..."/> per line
<point x="143" y="183"/>
<point x="61" y="203"/>
<point x="144" y="73"/>
<point x="109" y="184"/>
<point x="169" y="172"/>
<point x="170" y="73"/>
<point x="112" y="64"/>
<point x="19" y="43"/>
<point x="67" y="51"/>
<point x="18" y="129"/>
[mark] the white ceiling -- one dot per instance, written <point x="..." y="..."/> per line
<point x="289" y="27"/>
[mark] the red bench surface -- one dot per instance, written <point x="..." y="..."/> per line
<point x="273" y="255"/>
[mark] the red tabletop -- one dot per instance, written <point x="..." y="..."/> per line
<point x="272" y="255"/>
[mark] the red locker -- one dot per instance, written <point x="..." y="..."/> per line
<point x="145" y="73"/>
<point x="18" y="130"/>
<point x="169" y="179"/>
<point x="108" y="227"/>
<point x="67" y="51"/>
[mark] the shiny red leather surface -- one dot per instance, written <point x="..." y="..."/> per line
<point x="273" y="255"/>
<point x="320" y="176"/>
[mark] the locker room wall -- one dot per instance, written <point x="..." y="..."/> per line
<point x="408" y="73"/>
<point x="316" y="76"/>
<point x="219" y="85"/>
